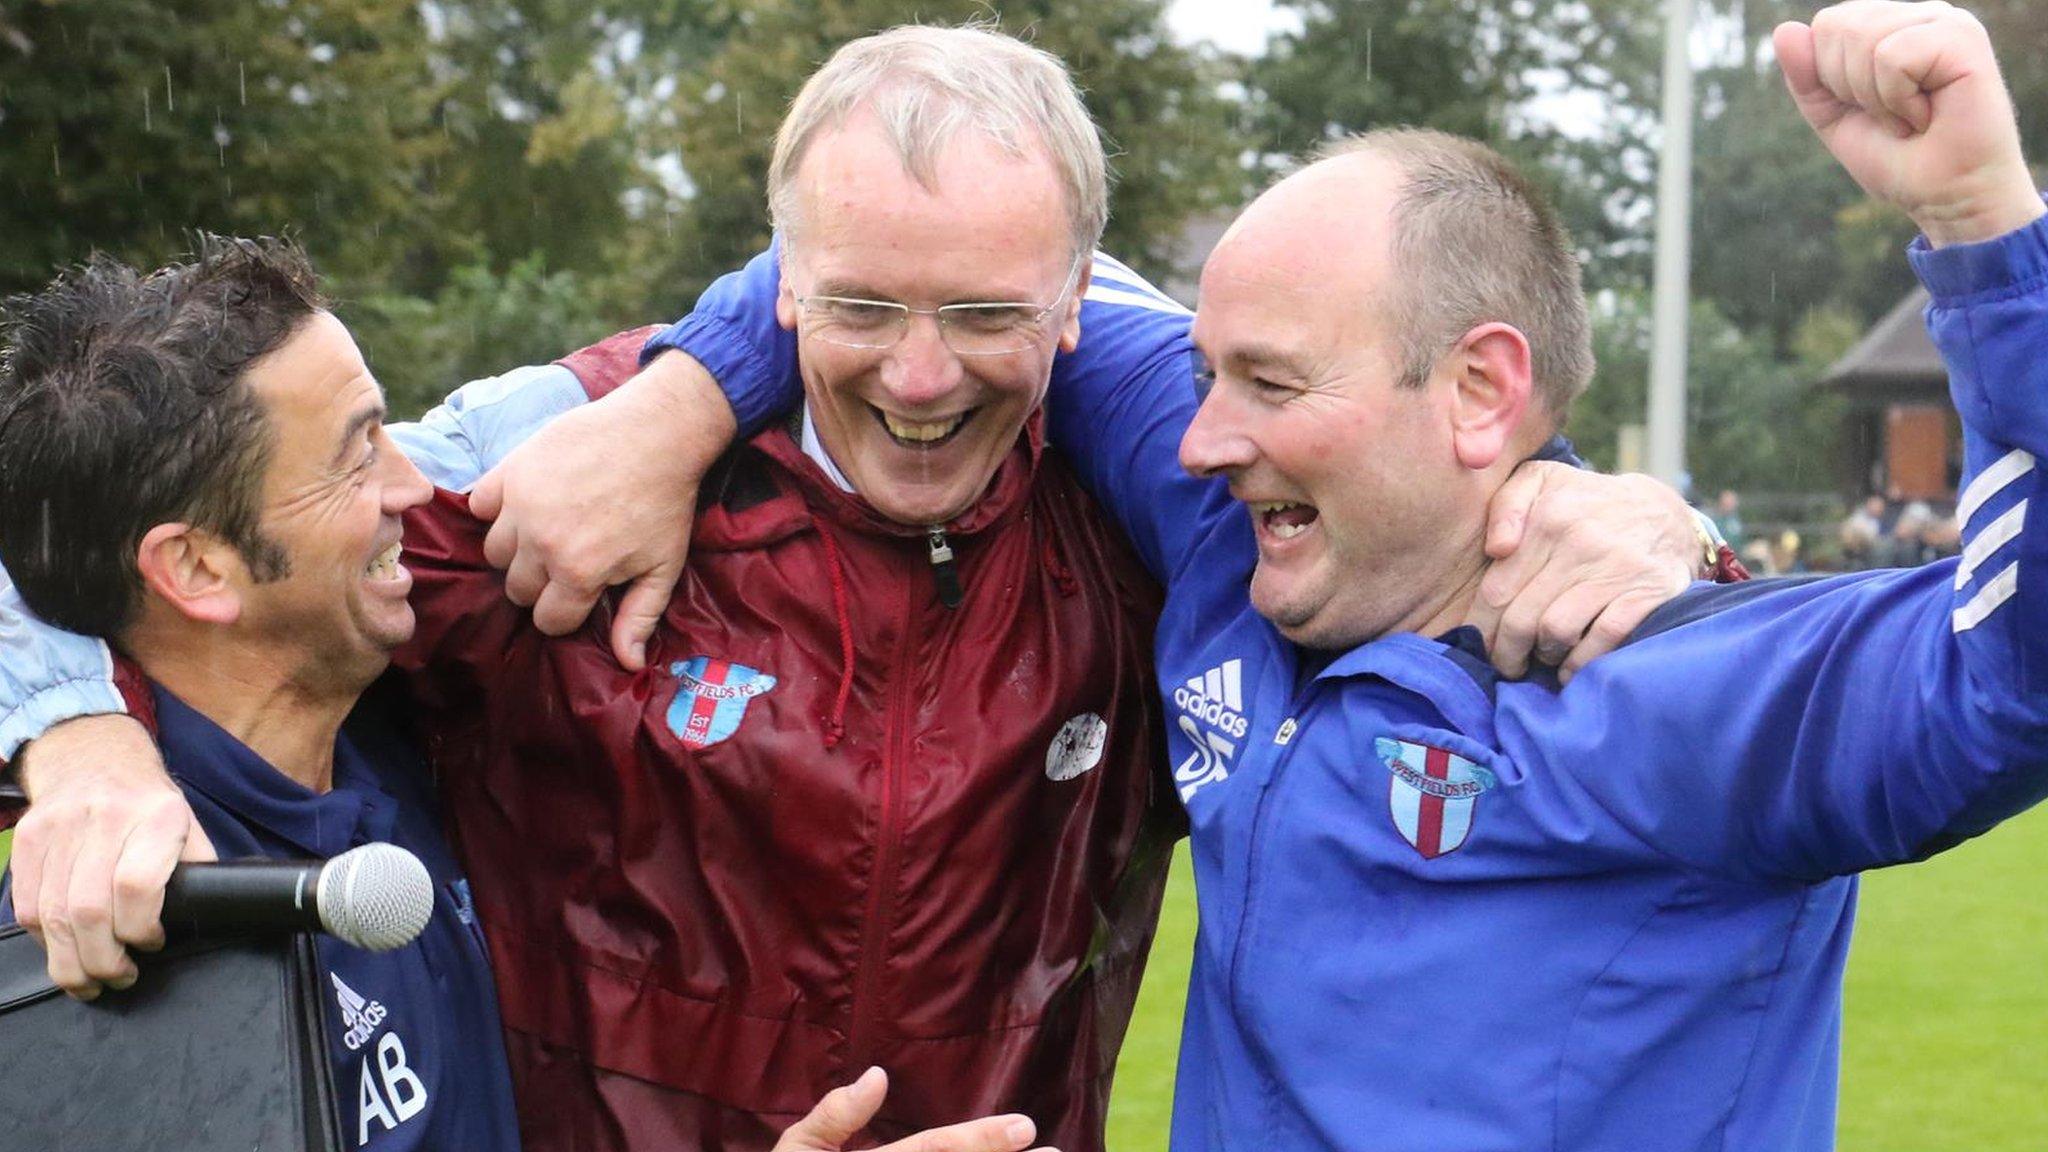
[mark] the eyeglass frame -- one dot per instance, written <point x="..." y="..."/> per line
<point x="940" y="314"/>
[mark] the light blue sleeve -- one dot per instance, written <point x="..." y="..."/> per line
<point x="1815" y="729"/>
<point x="49" y="675"/>
<point x="480" y="423"/>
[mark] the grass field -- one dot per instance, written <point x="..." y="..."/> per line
<point x="1946" y="1039"/>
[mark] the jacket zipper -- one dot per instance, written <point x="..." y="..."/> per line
<point x="875" y="924"/>
<point x="943" y="569"/>
<point x="1283" y="739"/>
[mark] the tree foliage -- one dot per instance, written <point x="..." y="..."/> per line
<point x="1754" y="421"/>
<point x="449" y="163"/>
<point x="124" y="123"/>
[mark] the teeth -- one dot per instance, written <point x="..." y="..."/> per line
<point x="921" y="432"/>
<point x="1268" y="512"/>
<point x="385" y="566"/>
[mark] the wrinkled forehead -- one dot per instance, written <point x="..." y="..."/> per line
<point x="988" y="223"/>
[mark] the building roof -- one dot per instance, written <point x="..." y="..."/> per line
<point x="1198" y="237"/>
<point x="1895" y="352"/>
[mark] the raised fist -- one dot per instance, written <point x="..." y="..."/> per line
<point x="1908" y="98"/>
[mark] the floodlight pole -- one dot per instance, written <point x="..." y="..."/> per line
<point x="1674" y="251"/>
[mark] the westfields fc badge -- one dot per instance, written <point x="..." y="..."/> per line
<point x="1433" y="794"/>
<point x="711" y="698"/>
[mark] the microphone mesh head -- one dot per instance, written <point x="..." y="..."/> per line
<point x="378" y="897"/>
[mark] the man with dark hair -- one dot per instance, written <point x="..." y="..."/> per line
<point x="108" y="366"/>
<point x="193" y="466"/>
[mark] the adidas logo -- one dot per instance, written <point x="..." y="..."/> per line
<point x="1216" y="697"/>
<point x="361" y="1017"/>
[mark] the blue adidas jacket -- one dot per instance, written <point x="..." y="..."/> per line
<point x="1441" y="911"/>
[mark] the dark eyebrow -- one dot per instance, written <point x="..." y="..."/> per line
<point x="364" y="419"/>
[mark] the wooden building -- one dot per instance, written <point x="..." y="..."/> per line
<point x="1900" y="433"/>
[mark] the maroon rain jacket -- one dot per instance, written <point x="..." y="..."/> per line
<point x="834" y="823"/>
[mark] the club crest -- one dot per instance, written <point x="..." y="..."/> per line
<point x="711" y="698"/>
<point x="1433" y="794"/>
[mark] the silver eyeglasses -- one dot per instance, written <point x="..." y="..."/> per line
<point x="990" y="329"/>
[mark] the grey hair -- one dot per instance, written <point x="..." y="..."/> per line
<point x="1475" y="243"/>
<point x="928" y="84"/>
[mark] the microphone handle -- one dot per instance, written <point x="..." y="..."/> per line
<point x="241" y="895"/>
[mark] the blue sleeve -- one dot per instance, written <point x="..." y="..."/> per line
<point x="49" y="675"/>
<point x="1819" y="728"/>
<point x="733" y="332"/>
<point x="1117" y="409"/>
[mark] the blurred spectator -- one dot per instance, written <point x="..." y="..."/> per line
<point x="1786" y="558"/>
<point x="1756" y="556"/>
<point x="1861" y="533"/>
<point x="1942" y="536"/>
<point x="1908" y="545"/>
<point x="1727" y="516"/>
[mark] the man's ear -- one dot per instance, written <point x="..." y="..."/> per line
<point x="1491" y="392"/>
<point x="1070" y="329"/>
<point x="192" y="571"/>
<point x="785" y="302"/>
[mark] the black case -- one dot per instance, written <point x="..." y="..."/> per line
<point x="222" y="1046"/>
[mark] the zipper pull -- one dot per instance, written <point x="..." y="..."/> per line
<point x="942" y="566"/>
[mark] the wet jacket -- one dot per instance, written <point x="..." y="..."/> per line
<point x="834" y="823"/>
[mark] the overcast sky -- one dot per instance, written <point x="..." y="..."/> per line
<point x="1235" y="25"/>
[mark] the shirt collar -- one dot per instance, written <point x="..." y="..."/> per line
<point x="815" y="449"/>
<point x="204" y="757"/>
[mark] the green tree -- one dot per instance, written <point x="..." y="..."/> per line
<point x="127" y="123"/>
<point x="1491" y="69"/>
<point x="482" y="323"/>
<point x="1754" y="422"/>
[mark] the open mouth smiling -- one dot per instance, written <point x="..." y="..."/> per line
<point x="922" y="434"/>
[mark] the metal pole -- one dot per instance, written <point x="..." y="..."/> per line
<point x="1674" y="251"/>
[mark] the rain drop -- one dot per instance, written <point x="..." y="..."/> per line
<point x="242" y="76"/>
<point x="170" y="103"/>
<point x="147" y="122"/>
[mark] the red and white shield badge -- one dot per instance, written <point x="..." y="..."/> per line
<point x="1433" y="794"/>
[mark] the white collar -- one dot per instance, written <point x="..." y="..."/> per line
<point x="815" y="449"/>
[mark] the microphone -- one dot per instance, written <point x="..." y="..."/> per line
<point x="377" y="897"/>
